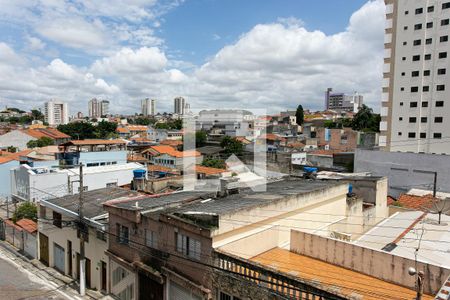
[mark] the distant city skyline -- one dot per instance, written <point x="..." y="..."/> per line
<point x="125" y="52"/>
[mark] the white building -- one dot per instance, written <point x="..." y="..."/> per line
<point x="414" y="112"/>
<point x="343" y="102"/>
<point x="56" y="112"/>
<point x="98" y="108"/>
<point x="179" y="105"/>
<point x="148" y="107"/>
<point x="40" y="183"/>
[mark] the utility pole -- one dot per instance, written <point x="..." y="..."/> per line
<point x="434" y="184"/>
<point x="7" y="207"/>
<point x="82" y="229"/>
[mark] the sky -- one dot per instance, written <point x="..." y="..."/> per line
<point x="270" y="54"/>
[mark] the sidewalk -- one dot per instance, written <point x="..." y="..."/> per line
<point x="64" y="284"/>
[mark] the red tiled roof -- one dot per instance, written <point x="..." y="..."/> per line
<point x="137" y="128"/>
<point x="11" y="223"/>
<point x="122" y="130"/>
<point x="173" y="143"/>
<point x="46" y="132"/>
<point x="94" y="142"/>
<point x="272" y="137"/>
<point x="415" y="202"/>
<point x="14" y="156"/>
<point x="209" y="170"/>
<point x="163" y="149"/>
<point x="28" y="225"/>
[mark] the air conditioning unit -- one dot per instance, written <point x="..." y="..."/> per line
<point x="341" y="236"/>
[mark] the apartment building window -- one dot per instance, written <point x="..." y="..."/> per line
<point x="411" y="135"/>
<point x="426" y="73"/>
<point x="445" y="22"/>
<point x="426" y="88"/>
<point x="151" y="239"/>
<point x="414" y="89"/>
<point x="417" y="42"/>
<point x="441" y="71"/>
<point x="405" y="28"/>
<point x="440" y="87"/>
<point x="442" y="54"/>
<point x="412" y="119"/>
<point x="403" y="58"/>
<point x="417" y="26"/>
<point x="416" y="58"/>
<point x="402" y="89"/>
<point x="425" y="104"/>
<point x="443" y="39"/>
<point x="430" y="8"/>
<point x="427" y="56"/>
<point x="401" y="103"/>
<point x="438" y="119"/>
<point x="413" y="104"/>
<point x="400" y="118"/>
<point x="403" y="73"/>
<point x="406" y="12"/>
<point x="437" y="135"/>
<point x="188" y="246"/>
<point x="415" y="74"/>
<point x="423" y="135"/>
<point x="57" y="219"/>
<point x="399" y="133"/>
<point x="439" y="103"/>
<point x="419" y="11"/>
<point x="101" y="235"/>
<point x="423" y="119"/>
<point x="224" y="296"/>
<point x="445" y="5"/>
<point x="428" y="41"/>
<point x="122" y="233"/>
<point x="405" y="43"/>
<point x="430" y="25"/>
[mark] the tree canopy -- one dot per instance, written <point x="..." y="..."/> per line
<point x="26" y="210"/>
<point x="85" y="130"/>
<point x="366" y="120"/>
<point x="41" y="142"/>
<point x="232" y="145"/>
<point x="300" y="115"/>
<point x="214" y="163"/>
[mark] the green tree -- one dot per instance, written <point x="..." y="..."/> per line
<point x="200" y="138"/>
<point x="162" y="126"/>
<point x="13" y="120"/>
<point x="37" y="115"/>
<point x="41" y="142"/>
<point x="144" y="121"/>
<point x="214" y="163"/>
<point x="366" y="120"/>
<point x="232" y="145"/>
<point x="104" y="129"/>
<point x="300" y="115"/>
<point x="78" y="130"/>
<point x="11" y="149"/>
<point x="26" y="210"/>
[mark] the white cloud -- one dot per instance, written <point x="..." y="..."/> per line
<point x="35" y="44"/>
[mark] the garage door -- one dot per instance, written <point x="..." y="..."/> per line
<point x="177" y="292"/>
<point x="58" y="258"/>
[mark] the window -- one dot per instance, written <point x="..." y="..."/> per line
<point x="419" y="11"/>
<point x="425" y="104"/>
<point x="118" y="274"/>
<point x="400" y="118"/>
<point x="437" y="135"/>
<point x="417" y="26"/>
<point x="442" y="54"/>
<point x="401" y="103"/>
<point x="416" y="58"/>
<point x="405" y="28"/>
<point x="188" y="246"/>
<point x="440" y="87"/>
<point x="423" y="135"/>
<point x="403" y="73"/>
<point x="411" y="135"/>
<point x="101" y="235"/>
<point x="399" y="133"/>
<point x="122" y="234"/>
<point x="430" y="8"/>
<point x="430" y="25"/>
<point x="427" y="56"/>
<point x="443" y="39"/>
<point x="417" y="42"/>
<point x="414" y="89"/>
<point x="402" y="89"/>
<point x="426" y="73"/>
<point x="441" y="71"/>
<point x="111" y="184"/>
<point x="439" y="103"/>
<point x="415" y="74"/>
<point x="438" y="119"/>
<point x="426" y="88"/>
<point x="403" y="58"/>
<point x="423" y="119"/>
<point x="405" y="43"/>
<point x="445" y="5"/>
<point x="413" y="104"/>
<point x="127" y="293"/>
<point x="445" y="22"/>
<point x="151" y="240"/>
<point x="406" y="12"/>
<point x="412" y="119"/>
<point x="57" y="219"/>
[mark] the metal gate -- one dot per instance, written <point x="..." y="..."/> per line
<point x="58" y="258"/>
<point x="2" y="230"/>
<point x="177" y="292"/>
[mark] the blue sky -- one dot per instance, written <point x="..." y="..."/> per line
<point x="228" y="53"/>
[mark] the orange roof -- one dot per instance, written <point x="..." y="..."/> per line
<point x="122" y="130"/>
<point x="155" y="168"/>
<point x="136" y="157"/>
<point x="46" y="132"/>
<point x="11" y="223"/>
<point x="163" y="149"/>
<point x="14" y="156"/>
<point x="173" y="143"/>
<point x="28" y="225"/>
<point x="209" y="170"/>
<point x="272" y="137"/>
<point x="243" y="140"/>
<point x="296" y="145"/>
<point x="137" y="128"/>
<point x="415" y="202"/>
<point x="325" y="152"/>
<point x="94" y="142"/>
<point x="328" y="275"/>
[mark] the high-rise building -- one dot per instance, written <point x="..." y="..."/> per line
<point x="98" y="108"/>
<point x="56" y="112"/>
<point x="415" y="115"/>
<point x="342" y="101"/>
<point x="179" y="105"/>
<point x="148" y="107"/>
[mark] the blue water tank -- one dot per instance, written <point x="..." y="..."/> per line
<point x="309" y="169"/>
<point x="139" y="173"/>
<point x="350" y="188"/>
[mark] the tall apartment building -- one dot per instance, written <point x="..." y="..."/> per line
<point x="148" y="107"/>
<point x="98" y="108"/>
<point x="56" y="112"/>
<point x="342" y="101"/>
<point x="179" y="105"/>
<point x="416" y="85"/>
